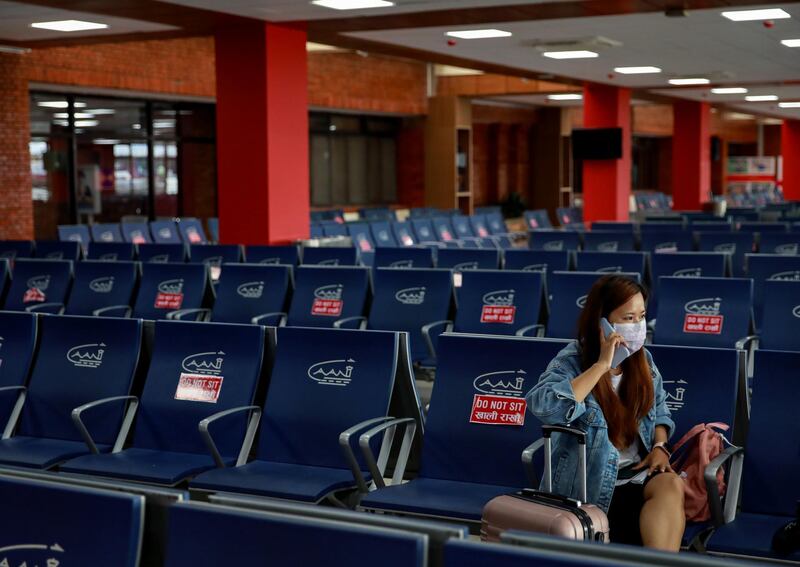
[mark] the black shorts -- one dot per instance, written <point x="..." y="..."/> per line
<point x="623" y="513"/>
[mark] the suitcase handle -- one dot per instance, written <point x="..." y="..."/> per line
<point x="555" y="498"/>
<point x="547" y="431"/>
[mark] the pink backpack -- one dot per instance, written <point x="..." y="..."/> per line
<point x="690" y="457"/>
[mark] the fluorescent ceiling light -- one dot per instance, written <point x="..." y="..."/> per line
<point x="105" y="141"/>
<point x="60" y="122"/>
<point x="78" y="115"/>
<point x="637" y="70"/>
<point x="69" y="25"/>
<point x="136" y="126"/>
<point x="102" y="111"/>
<point x="478" y="34"/>
<point x="163" y="123"/>
<point x="751" y="15"/>
<point x="59" y="104"/>
<point x="695" y="81"/>
<point x="580" y="54"/>
<point x="453" y="71"/>
<point x="86" y="123"/>
<point x="565" y="96"/>
<point x="729" y="90"/>
<point x="313" y="47"/>
<point x="761" y="98"/>
<point x="791" y="42"/>
<point x="739" y="116"/>
<point x="352" y="4"/>
<point x="789" y="104"/>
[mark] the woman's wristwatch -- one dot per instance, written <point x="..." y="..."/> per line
<point x="663" y="446"/>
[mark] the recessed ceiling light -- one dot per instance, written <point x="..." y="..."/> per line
<point x="78" y="115"/>
<point x="86" y="123"/>
<point x="739" y="116"/>
<point x="478" y="34"/>
<point x="761" y="98"/>
<point x="637" y="70"/>
<point x="453" y="71"/>
<point x="136" y="126"/>
<point x="789" y="104"/>
<point x="791" y="42"/>
<point x="751" y="15"/>
<point x="59" y="104"/>
<point x="352" y="4"/>
<point x="105" y="141"/>
<point x="694" y="81"/>
<point x="729" y="90"/>
<point x="313" y="47"/>
<point x="565" y="96"/>
<point x="579" y="54"/>
<point x="102" y="111"/>
<point x="69" y="25"/>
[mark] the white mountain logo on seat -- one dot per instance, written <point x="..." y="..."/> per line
<point x="110" y="257"/>
<point x="787" y="249"/>
<point x="328" y="300"/>
<point x="31" y="555"/>
<point x="688" y="273"/>
<point x="502" y="297"/>
<point x="107" y="236"/>
<point x="330" y="262"/>
<point x="171" y="286"/>
<point x="402" y="264"/>
<point x="333" y="291"/>
<point x="160" y="258"/>
<point x="790" y="276"/>
<point x="411" y="295"/>
<point x="274" y="260"/>
<point x="337" y="372"/>
<point x="611" y="246"/>
<point x="466" y="266"/>
<point x="55" y="256"/>
<point x="703" y="316"/>
<point x="503" y="383"/>
<point x="666" y="247"/>
<point x="704" y="306"/>
<point x="500" y="398"/>
<point x="74" y="237"/>
<point x="535" y="268"/>
<point x="164" y="232"/>
<point x="609" y="269"/>
<point x="251" y="290"/>
<point x="41" y="282"/>
<point x="676" y="396"/>
<point x="87" y="356"/>
<point x="209" y="363"/>
<point x="581" y="301"/>
<point x="553" y="245"/>
<point x="728" y="247"/>
<point x="102" y="285"/>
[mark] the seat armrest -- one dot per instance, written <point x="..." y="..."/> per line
<point x="16" y="410"/>
<point x="719" y="515"/>
<point x="427" y="332"/>
<point x="123" y="430"/>
<point x="54" y="308"/>
<point x="199" y="313"/>
<point x="349" y="454"/>
<point x="344" y="323"/>
<point x="523" y="332"/>
<point x="377" y="467"/>
<point x="527" y="461"/>
<point x="108" y="311"/>
<point x="257" y="320"/>
<point x="748" y="344"/>
<point x="247" y="443"/>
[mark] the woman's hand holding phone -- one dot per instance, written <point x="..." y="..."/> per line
<point x="609" y="342"/>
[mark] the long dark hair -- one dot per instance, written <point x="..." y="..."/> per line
<point x="624" y="409"/>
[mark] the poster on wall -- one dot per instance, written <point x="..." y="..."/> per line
<point x="751" y="166"/>
<point x="88" y="190"/>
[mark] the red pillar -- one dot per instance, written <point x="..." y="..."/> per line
<point x="691" y="155"/>
<point x="790" y="150"/>
<point x="607" y="183"/>
<point x="262" y="134"/>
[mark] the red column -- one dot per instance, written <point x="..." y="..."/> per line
<point x="607" y="183"/>
<point x="790" y="150"/>
<point x="691" y="155"/>
<point x="262" y="134"/>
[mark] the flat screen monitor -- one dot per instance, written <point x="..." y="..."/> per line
<point x="597" y="143"/>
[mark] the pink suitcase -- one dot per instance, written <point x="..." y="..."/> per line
<point x="544" y="512"/>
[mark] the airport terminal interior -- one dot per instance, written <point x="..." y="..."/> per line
<point x="399" y="283"/>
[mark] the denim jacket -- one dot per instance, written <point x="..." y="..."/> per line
<point x="552" y="400"/>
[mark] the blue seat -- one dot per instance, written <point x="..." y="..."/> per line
<point x="165" y="232"/>
<point x="665" y="241"/>
<point x="781" y="328"/>
<point x="111" y="251"/>
<point x="737" y="244"/>
<point x="323" y="295"/>
<point x="499" y="302"/>
<point x="470" y="455"/>
<point x="780" y="243"/>
<point x="537" y="260"/>
<point x="608" y="241"/>
<point x="214" y="255"/>
<point x="11" y="249"/>
<point x="84" y="526"/>
<point x="334" y="228"/>
<point x="569" y="217"/>
<point x="347" y="379"/>
<point x="764" y="267"/>
<point x="770" y="490"/>
<point x="362" y="237"/>
<point x="709" y="312"/>
<point x="404" y="233"/>
<point x="424" y="230"/>
<point x="462" y="227"/>
<point x="382" y="234"/>
<point x="162" y="253"/>
<point x="136" y="232"/>
<point x="763" y="227"/>
<point x="553" y="240"/>
<point x="169" y="287"/>
<point x="80" y="360"/>
<point x="191" y="231"/>
<point x="272" y="255"/>
<point x="567" y="293"/>
<point x="58" y="250"/>
<point x="213" y="228"/>
<point x="480" y="227"/>
<point x="376" y="214"/>
<point x="198" y="370"/>
<point x="614" y="226"/>
<point x="685" y="265"/>
<point x="408" y="300"/>
<point x="330" y="256"/>
<point x="460" y="259"/>
<point x="107" y="232"/>
<point x="668" y="224"/>
<point x="203" y="534"/>
<point x="315" y="231"/>
<point x="496" y="224"/>
<point x="477" y="554"/>
<point x="17" y="344"/>
<point x="405" y="257"/>
<point x="537" y="219"/>
<point x="611" y="262"/>
<point x="74" y="233"/>
<point x="711" y="226"/>
<point x="39" y="285"/>
<point x="101" y="285"/>
<point x="443" y="229"/>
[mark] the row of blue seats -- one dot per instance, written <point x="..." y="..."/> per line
<point x="187" y="230"/>
<point x="370" y="214"/>
<point x="466" y="458"/>
<point x="722" y="225"/>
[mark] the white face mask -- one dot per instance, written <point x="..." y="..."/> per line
<point x="633" y="333"/>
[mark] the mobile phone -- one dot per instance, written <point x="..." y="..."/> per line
<point x="621" y="352"/>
